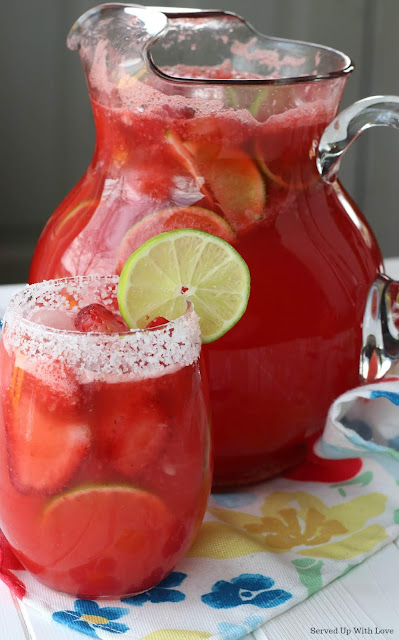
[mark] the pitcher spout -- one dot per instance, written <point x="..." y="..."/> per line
<point x="130" y="23"/>
<point x="111" y="40"/>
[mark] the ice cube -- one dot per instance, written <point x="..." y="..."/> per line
<point x="54" y="318"/>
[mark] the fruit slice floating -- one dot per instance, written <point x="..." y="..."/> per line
<point x="191" y="152"/>
<point x="189" y="162"/>
<point x="46" y="440"/>
<point x="231" y="178"/>
<point x="225" y="130"/>
<point x="131" y="427"/>
<point x="238" y="188"/>
<point x="57" y="236"/>
<point x="271" y="101"/>
<point x="168" y="220"/>
<point x="286" y="156"/>
<point x="169" y="269"/>
<point x="123" y="522"/>
<point x="82" y="210"/>
<point x="96" y="317"/>
<point x="264" y="167"/>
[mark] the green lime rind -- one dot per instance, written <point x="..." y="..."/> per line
<point x="181" y="265"/>
<point x="256" y="106"/>
<point x="83" y="490"/>
<point x="75" y="211"/>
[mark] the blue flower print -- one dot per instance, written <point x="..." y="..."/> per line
<point x="230" y="631"/>
<point x="389" y="395"/>
<point x="248" y="588"/>
<point x="88" y="616"/>
<point x="162" y="593"/>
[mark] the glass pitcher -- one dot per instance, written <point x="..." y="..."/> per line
<point x="202" y="122"/>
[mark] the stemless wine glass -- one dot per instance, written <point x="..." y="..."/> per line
<point x="104" y="442"/>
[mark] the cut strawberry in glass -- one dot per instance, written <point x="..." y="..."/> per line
<point x="96" y="317"/>
<point x="131" y="427"/>
<point x="46" y="441"/>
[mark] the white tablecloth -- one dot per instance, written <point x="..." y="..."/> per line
<point x="362" y="605"/>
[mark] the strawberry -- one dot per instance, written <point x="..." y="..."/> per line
<point x="96" y="317"/>
<point x="157" y="322"/>
<point x="46" y="442"/>
<point x="131" y="427"/>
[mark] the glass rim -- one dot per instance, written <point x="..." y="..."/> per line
<point x="95" y="355"/>
<point x="21" y="296"/>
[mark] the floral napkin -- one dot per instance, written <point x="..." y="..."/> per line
<point x="266" y="548"/>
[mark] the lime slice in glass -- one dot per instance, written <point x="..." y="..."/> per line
<point x="88" y="522"/>
<point x="180" y="265"/>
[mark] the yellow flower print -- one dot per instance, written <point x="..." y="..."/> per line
<point x="286" y="531"/>
<point x="302" y="522"/>
<point x="218" y="540"/>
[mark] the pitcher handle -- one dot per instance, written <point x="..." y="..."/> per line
<point x="377" y="111"/>
<point x="380" y="335"/>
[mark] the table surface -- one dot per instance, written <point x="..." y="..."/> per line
<point x="367" y="597"/>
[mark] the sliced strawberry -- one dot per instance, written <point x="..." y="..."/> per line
<point x="96" y="317"/>
<point x="157" y="322"/>
<point x="131" y="427"/>
<point x="46" y="441"/>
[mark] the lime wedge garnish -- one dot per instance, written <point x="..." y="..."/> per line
<point x="185" y="264"/>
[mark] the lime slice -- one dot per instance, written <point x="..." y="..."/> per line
<point x="272" y="101"/>
<point x="81" y="210"/>
<point x="90" y="522"/>
<point x="123" y="499"/>
<point x="180" y="265"/>
<point x="294" y="167"/>
<point x="232" y="179"/>
<point x="238" y="187"/>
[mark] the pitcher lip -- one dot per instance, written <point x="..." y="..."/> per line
<point x="170" y="14"/>
<point x="348" y="65"/>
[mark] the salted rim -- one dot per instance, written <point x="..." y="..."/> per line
<point x="134" y="354"/>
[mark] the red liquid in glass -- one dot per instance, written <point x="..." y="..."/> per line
<point x="111" y="513"/>
<point x="311" y="255"/>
